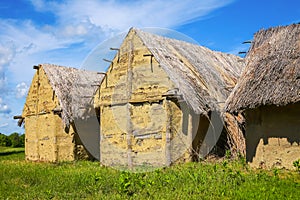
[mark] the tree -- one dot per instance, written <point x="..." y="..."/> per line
<point x="22" y="140"/>
<point x="4" y="140"/>
<point x="16" y="140"/>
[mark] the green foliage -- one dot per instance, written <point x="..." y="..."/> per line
<point x="296" y="164"/>
<point x="13" y="140"/>
<point x="88" y="180"/>
<point x="22" y="140"/>
<point x="228" y="154"/>
<point x="4" y="141"/>
<point x="124" y="183"/>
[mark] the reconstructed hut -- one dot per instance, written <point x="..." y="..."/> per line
<point x="160" y="98"/>
<point x="269" y="94"/>
<point x="52" y="103"/>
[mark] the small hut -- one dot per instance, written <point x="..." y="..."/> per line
<point x="159" y="99"/>
<point x="54" y="100"/>
<point x="268" y="93"/>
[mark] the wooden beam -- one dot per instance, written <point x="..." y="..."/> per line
<point x="36" y="67"/>
<point x="145" y="55"/>
<point x="116" y="49"/>
<point x="110" y="61"/>
<point x="18" y="117"/>
<point x="247" y="42"/>
<point x="20" y="122"/>
<point x="57" y="111"/>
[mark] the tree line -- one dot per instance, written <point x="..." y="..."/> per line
<point x="12" y="140"/>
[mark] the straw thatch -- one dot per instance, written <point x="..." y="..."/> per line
<point x="74" y="89"/>
<point x="204" y="77"/>
<point x="272" y="73"/>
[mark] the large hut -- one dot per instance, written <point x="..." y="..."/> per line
<point x="161" y="100"/>
<point x="57" y="96"/>
<point x="268" y="93"/>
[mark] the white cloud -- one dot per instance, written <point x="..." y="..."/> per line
<point x="4" y="109"/>
<point x="4" y="125"/>
<point x="84" y="25"/>
<point x="6" y="56"/>
<point x="39" y="5"/>
<point x="3" y="81"/>
<point x="28" y="38"/>
<point x="79" y="26"/>
<point x="120" y="15"/>
<point x="21" y="90"/>
<point x="27" y="45"/>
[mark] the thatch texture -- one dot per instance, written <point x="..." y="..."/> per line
<point x="204" y="77"/>
<point x="272" y="73"/>
<point x="74" y="88"/>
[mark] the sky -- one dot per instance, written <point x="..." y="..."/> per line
<point x="65" y="32"/>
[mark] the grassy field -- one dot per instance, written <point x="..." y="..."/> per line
<point x="88" y="180"/>
<point x="10" y="150"/>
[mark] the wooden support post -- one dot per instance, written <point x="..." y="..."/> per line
<point x="55" y="147"/>
<point x="129" y="91"/>
<point x="191" y="134"/>
<point x="101" y="108"/>
<point x="37" y="110"/>
<point x="168" y="133"/>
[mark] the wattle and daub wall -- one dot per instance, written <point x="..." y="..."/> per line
<point x="268" y="92"/>
<point x="45" y="135"/>
<point x="140" y="123"/>
<point x="272" y="136"/>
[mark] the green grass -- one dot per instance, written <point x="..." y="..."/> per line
<point x="11" y="149"/>
<point x="15" y="153"/>
<point x="88" y="180"/>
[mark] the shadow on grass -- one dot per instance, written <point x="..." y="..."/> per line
<point x="5" y="153"/>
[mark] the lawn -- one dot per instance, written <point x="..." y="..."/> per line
<point x="223" y="179"/>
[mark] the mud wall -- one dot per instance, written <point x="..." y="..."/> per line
<point x="272" y="136"/>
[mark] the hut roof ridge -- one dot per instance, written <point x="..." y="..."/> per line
<point x="204" y="77"/>
<point x="272" y="72"/>
<point x="73" y="87"/>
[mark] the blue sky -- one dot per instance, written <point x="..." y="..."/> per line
<point x="64" y="32"/>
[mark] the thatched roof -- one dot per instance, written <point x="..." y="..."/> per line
<point x="272" y="73"/>
<point x="204" y="77"/>
<point x="74" y="89"/>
